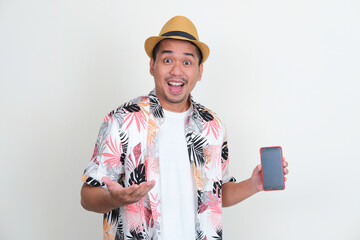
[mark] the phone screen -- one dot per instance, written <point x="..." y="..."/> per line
<point x="272" y="168"/>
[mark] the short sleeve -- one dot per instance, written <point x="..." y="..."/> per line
<point x="108" y="156"/>
<point x="226" y="177"/>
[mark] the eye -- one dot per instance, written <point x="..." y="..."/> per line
<point x="167" y="60"/>
<point x="187" y="63"/>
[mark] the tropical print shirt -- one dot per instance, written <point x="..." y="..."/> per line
<point x="127" y="151"/>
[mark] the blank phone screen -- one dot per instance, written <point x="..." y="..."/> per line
<point x="272" y="167"/>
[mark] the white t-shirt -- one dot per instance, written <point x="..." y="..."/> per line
<point x="176" y="179"/>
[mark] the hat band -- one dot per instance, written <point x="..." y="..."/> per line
<point x="179" y="34"/>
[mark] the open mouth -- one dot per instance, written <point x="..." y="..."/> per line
<point x="175" y="87"/>
<point x="175" y="84"/>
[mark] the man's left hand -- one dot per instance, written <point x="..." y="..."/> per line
<point x="256" y="177"/>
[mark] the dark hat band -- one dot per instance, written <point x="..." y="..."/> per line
<point x="179" y="34"/>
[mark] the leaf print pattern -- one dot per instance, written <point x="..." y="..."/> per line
<point x="213" y="127"/>
<point x="201" y="205"/>
<point x="120" y="232"/>
<point x="109" y="118"/>
<point x="117" y="115"/>
<point x="200" y="235"/>
<point x="154" y="204"/>
<point x="195" y="144"/>
<point x="114" y="218"/>
<point x="135" y="235"/>
<point x="155" y="106"/>
<point x="101" y="140"/>
<point x="135" y="214"/>
<point x="212" y="155"/>
<point x="215" y="206"/>
<point x="132" y="108"/>
<point x="110" y="219"/>
<point x="120" y="112"/>
<point x="127" y="151"/>
<point x="208" y="117"/>
<point x="124" y="144"/>
<point x="134" y="114"/>
<point x="224" y="158"/>
<point x="107" y="228"/>
<point x="217" y="188"/>
<point x="143" y="105"/>
<point x="224" y="152"/>
<point x="138" y="175"/>
<point x="134" y="158"/>
<point x="199" y="182"/>
<point x="211" y="123"/>
<point x="113" y="158"/>
<point x="232" y="179"/>
<point x="136" y="169"/>
<point x="152" y="168"/>
<point x="218" y="234"/>
<point x="148" y="218"/>
<point x="94" y="156"/>
<point x="93" y="182"/>
<point x="152" y="132"/>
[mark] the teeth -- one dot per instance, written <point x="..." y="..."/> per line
<point x="175" y="83"/>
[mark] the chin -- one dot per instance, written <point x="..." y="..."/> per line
<point x="179" y="99"/>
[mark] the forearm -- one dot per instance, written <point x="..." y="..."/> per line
<point x="233" y="193"/>
<point x="96" y="199"/>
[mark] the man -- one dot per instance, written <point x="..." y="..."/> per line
<point x="160" y="164"/>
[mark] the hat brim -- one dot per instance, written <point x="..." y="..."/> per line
<point x="151" y="42"/>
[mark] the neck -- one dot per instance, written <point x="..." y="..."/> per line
<point x="175" y="107"/>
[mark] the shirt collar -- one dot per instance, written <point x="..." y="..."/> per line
<point x="158" y="112"/>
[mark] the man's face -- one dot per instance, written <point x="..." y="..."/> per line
<point x="176" y="71"/>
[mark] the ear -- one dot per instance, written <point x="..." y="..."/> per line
<point x="152" y="67"/>
<point x="200" y="72"/>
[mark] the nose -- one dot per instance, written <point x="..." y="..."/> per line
<point x="176" y="69"/>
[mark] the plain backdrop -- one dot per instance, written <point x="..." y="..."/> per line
<point x="279" y="73"/>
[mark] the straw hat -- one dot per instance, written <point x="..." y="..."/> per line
<point x="181" y="28"/>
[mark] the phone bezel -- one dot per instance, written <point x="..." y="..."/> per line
<point x="262" y="175"/>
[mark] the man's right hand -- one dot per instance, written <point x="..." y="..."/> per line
<point x="98" y="199"/>
<point x="121" y="196"/>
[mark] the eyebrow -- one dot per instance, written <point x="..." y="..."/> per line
<point x="169" y="51"/>
<point x="166" y="51"/>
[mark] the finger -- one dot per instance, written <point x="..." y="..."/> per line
<point x="285" y="164"/>
<point x="151" y="183"/>
<point x="143" y="189"/>
<point x="129" y="190"/>
<point x="283" y="158"/>
<point x="136" y="192"/>
<point x="258" y="168"/>
<point x="135" y="187"/>
<point x="108" y="182"/>
<point x="286" y="171"/>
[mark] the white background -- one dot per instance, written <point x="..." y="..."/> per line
<point x="280" y="73"/>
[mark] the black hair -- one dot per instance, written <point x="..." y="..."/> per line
<point x="157" y="46"/>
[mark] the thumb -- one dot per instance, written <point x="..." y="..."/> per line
<point x="257" y="168"/>
<point x="108" y="181"/>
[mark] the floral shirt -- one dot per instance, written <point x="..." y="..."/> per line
<point x="127" y="151"/>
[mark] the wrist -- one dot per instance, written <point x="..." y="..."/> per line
<point x="110" y="201"/>
<point x="253" y="186"/>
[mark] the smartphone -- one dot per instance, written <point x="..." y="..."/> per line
<point x="272" y="168"/>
